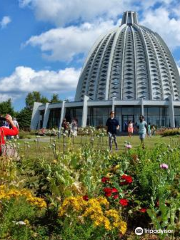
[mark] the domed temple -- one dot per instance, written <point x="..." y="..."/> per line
<point x="129" y="70"/>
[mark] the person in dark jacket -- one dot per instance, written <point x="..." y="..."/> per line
<point x="112" y="125"/>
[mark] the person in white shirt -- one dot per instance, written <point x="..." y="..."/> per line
<point x="16" y="125"/>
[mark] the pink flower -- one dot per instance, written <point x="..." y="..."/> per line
<point x="128" y="146"/>
<point x="164" y="166"/>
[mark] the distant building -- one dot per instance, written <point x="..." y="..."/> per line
<point x="130" y="70"/>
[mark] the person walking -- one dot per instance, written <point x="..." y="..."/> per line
<point x="112" y="125"/>
<point x="149" y="129"/>
<point x="4" y="131"/>
<point x="74" y="127"/>
<point x="130" y="128"/>
<point x="142" y="125"/>
<point x="64" y="125"/>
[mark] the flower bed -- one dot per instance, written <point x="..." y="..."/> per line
<point x="91" y="194"/>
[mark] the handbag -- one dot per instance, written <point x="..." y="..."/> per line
<point x="9" y="148"/>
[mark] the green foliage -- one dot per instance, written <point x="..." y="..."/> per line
<point x="169" y="132"/>
<point x="24" y="118"/>
<point x="34" y="97"/>
<point x="16" y="214"/>
<point x="6" y="108"/>
<point x="55" y="99"/>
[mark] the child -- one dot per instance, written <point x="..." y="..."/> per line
<point x="130" y="128"/>
<point x="149" y="129"/>
<point x="142" y="129"/>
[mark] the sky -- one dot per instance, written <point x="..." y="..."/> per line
<point x="44" y="43"/>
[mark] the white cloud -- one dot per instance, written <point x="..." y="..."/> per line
<point x="65" y="43"/>
<point x="159" y="20"/>
<point x="5" y="97"/>
<point x="5" y="21"/>
<point x="178" y="69"/>
<point x="25" y="79"/>
<point x="63" y="12"/>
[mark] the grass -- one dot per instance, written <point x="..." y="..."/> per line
<point x="41" y="147"/>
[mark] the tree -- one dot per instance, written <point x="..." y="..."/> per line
<point x="24" y="118"/>
<point x="35" y="97"/>
<point x="6" y="108"/>
<point x="55" y="99"/>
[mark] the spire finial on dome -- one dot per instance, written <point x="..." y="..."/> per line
<point x="129" y="18"/>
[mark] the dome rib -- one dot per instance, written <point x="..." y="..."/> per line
<point x="129" y="62"/>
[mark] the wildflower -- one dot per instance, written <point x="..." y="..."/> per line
<point x="116" y="196"/>
<point x="105" y="179"/>
<point x="164" y="166"/>
<point x="128" y="146"/>
<point x="107" y="191"/>
<point x="143" y="210"/>
<point x="19" y="223"/>
<point x="123" y="202"/>
<point x="128" y="180"/>
<point x="123" y="227"/>
<point x="85" y="198"/>
<point x="114" y="190"/>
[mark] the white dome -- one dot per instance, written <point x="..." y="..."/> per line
<point x="129" y="62"/>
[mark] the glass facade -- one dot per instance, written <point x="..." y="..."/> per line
<point x="177" y="116"/>
<point x="54" y="118"/>
<point x="97" y="116"/>
<point x="74" y="113"/>
<point x="41" y="118"/>
<point x="126" y="113"/>
<point x="157" y="116"/>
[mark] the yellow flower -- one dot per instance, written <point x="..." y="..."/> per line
<point x="107" y="224"/>
<point x="26" y="222"/>
<point x="109" y="175"/>
<point x="123" y="227"/>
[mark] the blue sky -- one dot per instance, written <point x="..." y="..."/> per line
<point x="43" y="43"/>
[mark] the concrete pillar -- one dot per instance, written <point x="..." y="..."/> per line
<point x="171" y="111"/>
<point x="63" y="111"/>
<point x="46" y="115"/>
<point x="113" y="103"/>
<point x="85" y="111"/>
<point x="35" y="116"/>
<point x="142" y="107"/>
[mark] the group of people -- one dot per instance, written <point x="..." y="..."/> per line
<point x="8" y="127"/>
<point x="70" y="128"/>
<point x="142" y="127"/>
<point x="150" y="129"/>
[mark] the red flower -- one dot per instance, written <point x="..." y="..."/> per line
<point x="143" y="210"/>
<point x="85" y="198"/>
<point x="116" y="196"/>
<point x="123" y="202"/>
<point x="108" y="192"/>
<point x="105" y="179"/>
<point x="114" y="190"/>
<point x="128" y="180"/>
